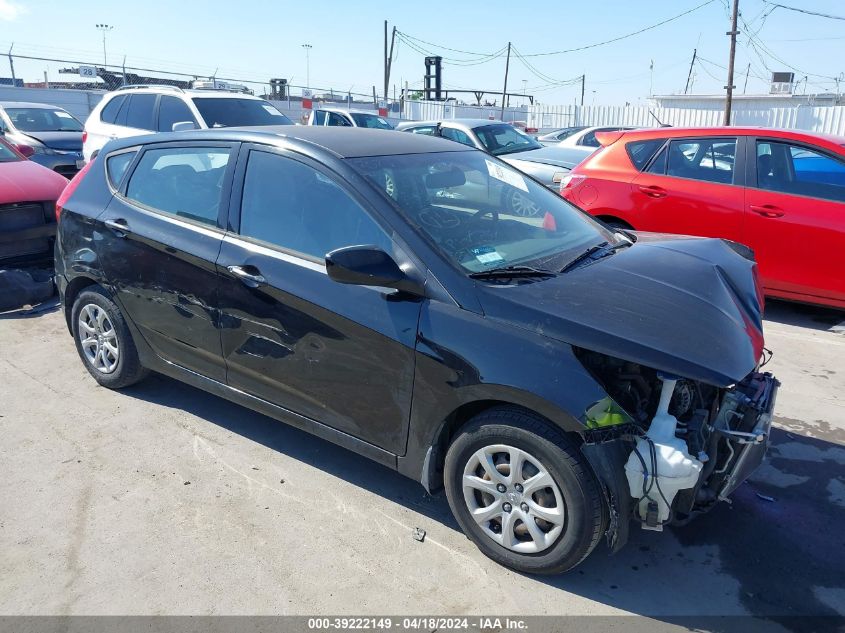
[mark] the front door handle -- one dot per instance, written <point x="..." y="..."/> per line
<point x="248" y="275"/>
<point x="653" y="191"/>
<point x="119" y="226"/>
<point x="767" y="210"/>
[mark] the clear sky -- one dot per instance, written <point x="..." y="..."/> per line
<point x="256" y="40"/>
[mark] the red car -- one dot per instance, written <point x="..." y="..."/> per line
<point x="780" y="192"/>
<point x="28" y="194"/>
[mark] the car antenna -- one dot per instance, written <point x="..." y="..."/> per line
<point x="659" y="122"/>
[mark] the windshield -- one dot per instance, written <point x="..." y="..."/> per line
<point x="362" y="119"/>
<point x="6" y="153"/>
<point x="481" y="213"/>
<point x="565" y="133"/>
<point x="229" y="112"/>
<point x="502" y="139"/>
<point x="43" y="120"/>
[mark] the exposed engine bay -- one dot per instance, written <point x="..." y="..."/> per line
<point x="689" y="444"/>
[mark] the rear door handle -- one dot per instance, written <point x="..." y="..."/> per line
<point x="247" y="276"/>
<point x="119" y="226"/>
<point x="767" y="210"/>
<point x="653" y="191"/>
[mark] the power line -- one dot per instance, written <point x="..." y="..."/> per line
<point x="807" y="11"/>
<point x="622" y="37"/>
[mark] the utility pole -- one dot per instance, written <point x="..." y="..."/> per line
<point x="105" y="28"/>
<point x="12" y="67"/>
<point x="388" y="58"/>
<point x="307" y="48"/>
<point x="505" y="89"/>
<point x="730" y="87"/>
<point x="747" y="72"/>
<point x="691" y="64"/>
<point x="583" y="82"/>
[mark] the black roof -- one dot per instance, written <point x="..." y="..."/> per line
<point x="345" y="142"/>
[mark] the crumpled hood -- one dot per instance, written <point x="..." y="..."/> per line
<point x="686" y="306"/>
<point x="567" y="157"/>
<point x="63" y="141"/>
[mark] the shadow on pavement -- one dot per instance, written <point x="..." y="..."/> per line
<point x="802" y="315"/>
<point x="777" y="552"/>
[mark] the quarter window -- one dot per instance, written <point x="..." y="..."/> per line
<point x="116" y="165"/>
<point x="184" y="181"/>
<point x="800" y="171"/>
<point x="640" y="152"/>
<point x="298" y="208"/>
<point x="173" y="110"/>
<point x="109" y="112"/>
<point x="710" y="160"/>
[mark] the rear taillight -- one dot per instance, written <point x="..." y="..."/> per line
<point x="84" y="135"/>
<point x="570" y="181"/>
<point x="70" y="188"/>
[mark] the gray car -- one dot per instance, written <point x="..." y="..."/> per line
<point x="46" y="134"/>
<point x="545" y="164"/>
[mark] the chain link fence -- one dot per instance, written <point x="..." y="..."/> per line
<point x="95" y="79"/>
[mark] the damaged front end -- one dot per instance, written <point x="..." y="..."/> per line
<point x="668" y="448"/>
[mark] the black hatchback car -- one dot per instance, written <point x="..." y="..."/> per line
<point x="558" y="378"/>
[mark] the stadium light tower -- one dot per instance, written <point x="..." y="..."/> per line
<point x="307" y="48"/>
<point x="105" y="28"/>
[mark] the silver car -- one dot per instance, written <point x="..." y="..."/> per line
<point x="579" y="136"/>
<point x="545" y="164"/>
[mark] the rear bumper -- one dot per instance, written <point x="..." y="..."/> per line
<point x="65" y="164"/>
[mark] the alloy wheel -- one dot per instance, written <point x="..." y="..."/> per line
<point x="523" y="206"/>
<point x="98" y="338"/>
<point x="513" y="498"/>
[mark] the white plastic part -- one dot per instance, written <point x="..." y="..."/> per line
<point x="674" y="468"/>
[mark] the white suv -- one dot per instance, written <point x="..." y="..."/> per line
<point x="134" y="110"/>
<point x="348" y="118"/>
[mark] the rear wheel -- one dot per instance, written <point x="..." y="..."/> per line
<point x="103" y="340"/>
<point x="521" y="491"/>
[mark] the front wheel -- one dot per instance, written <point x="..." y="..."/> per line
<point x="522" y="492"/>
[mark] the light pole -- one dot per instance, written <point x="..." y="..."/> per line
<point x="105" y="28"/>
<point x="307" y="48"/>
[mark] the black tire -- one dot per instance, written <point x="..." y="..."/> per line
<point x="584" y="507"/>
<point x="128" y="369"/>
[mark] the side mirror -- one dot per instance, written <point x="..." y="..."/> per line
<point x="183" y="126"/>
<point x="368" y="266"/>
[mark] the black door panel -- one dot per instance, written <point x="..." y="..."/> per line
<point x="342" y="355"/>
<point x="164" y="275"/>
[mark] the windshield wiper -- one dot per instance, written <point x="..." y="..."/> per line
<point x="512" y="271"/>
<point x="593" y="253"/>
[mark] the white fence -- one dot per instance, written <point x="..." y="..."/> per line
<point x="823" y="119"/>
<point x="813" y="118"/>
<point x="436" y="110"/>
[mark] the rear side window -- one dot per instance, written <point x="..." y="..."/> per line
<point x="709" y="160"/>
<point x="140" y="113"/>
<point x="640" y="152"/>
<point x="116" y="166"/>
<point x="182" y="181"/>
<point x="456" y="135"/>
<point x="797" y="170"/>
<point x="338" y="120"/>
<point x="109" y="112"/>
<point x="173" y="110"/>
